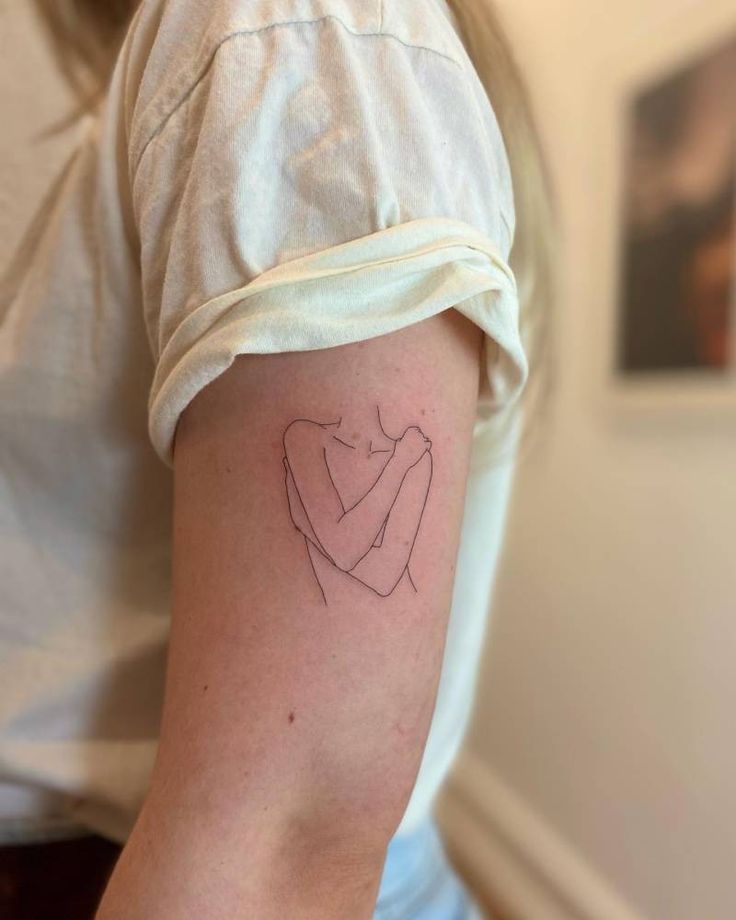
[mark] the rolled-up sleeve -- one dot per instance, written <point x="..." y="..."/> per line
<point x="315" y="188"/>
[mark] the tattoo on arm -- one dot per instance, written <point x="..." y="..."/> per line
<point x="356" y="496"/>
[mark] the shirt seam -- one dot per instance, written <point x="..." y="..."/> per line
<point x="203" y="73"/>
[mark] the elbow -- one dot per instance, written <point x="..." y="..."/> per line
<point x="341" y="553"/>
<point x="385" y="586"/>
<point x="344" y="559"/>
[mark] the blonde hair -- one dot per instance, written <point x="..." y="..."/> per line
<point x="86" y="35"/>
<point x="532" y="256"/>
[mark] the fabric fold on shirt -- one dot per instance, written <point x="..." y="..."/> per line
<point x="357" y="290"/>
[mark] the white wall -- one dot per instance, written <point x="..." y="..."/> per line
<point x="603" y="751"/>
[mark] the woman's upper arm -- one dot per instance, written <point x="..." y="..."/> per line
<point x="304" y="451"/>
<point x="281" y="711"/>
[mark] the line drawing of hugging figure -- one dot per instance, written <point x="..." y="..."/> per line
<point x="357" y="496"/>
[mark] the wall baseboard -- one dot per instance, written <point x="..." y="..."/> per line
<point x="513" y="859"/>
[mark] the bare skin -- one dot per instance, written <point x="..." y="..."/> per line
<point x="293" y="729"/>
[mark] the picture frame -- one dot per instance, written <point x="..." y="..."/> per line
<point x="671" y="374"/>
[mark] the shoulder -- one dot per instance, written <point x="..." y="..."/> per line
<point x="176" y="43"/>
<point x="304" y="433"/>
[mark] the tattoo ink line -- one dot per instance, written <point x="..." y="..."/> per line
<point x="399" y="523"/>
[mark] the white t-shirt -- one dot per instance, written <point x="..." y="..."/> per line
<point x="262" y="177"/>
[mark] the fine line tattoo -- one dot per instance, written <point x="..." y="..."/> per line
<point x="357" y="496"/>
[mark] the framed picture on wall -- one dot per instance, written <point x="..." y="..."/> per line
<point x="676" y="303"/>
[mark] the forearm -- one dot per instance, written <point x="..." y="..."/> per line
<point x="383" y="565"/>
<point x="351" y="536"/>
